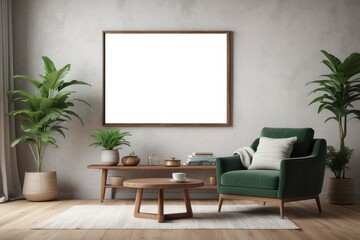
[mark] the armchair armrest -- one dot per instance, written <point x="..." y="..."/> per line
<point x="226" y="164"/>
<point x="303" y="176"/>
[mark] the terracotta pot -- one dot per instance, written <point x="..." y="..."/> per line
<point x="109" y="157"/>
<point x="341" y="191"/>
<point x="40" y="186"/>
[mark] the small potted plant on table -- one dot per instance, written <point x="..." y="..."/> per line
<point x="109" y="139"/>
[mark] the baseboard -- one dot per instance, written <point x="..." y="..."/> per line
<point x="149" y="194"/>
<point x="324" y="197"/>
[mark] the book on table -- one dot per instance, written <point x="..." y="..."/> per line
<point x="201" y="159"/>
<point x="201" y="163"/>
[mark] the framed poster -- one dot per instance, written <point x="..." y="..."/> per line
<point x="166" y="78"/>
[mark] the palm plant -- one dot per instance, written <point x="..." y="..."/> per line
<point x="44" y="112"/>
<point x="339" y="91"/>
<point x="110" y="138"/>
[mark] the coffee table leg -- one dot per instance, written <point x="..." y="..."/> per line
<point x="187" y="214"/>
<point x="138" y="199"/>
<point x="160" y="216"/>
<point x="161" y="205"/>
<point x="103" y="183"/>
<point x="187" y="203"/>
<point x="137" y="213"/>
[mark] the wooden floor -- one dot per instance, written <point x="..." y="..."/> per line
<point x="335" y="222"/>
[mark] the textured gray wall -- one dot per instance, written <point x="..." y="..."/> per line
<point x="276" y="50"/>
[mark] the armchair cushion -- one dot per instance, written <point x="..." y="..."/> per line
<point x="304" y="142"/>
<point x="271" y="151"/>
<point x="260" y="179"/>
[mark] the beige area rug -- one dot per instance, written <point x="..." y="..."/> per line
<point x="205" y="217"/>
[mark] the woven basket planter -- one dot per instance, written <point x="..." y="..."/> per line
<point x="341" y="191"/>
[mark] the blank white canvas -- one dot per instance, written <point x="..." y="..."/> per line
<point x="166" y="78"/>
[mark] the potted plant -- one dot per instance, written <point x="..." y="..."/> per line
<point x="110" y="140"/>
<point x="339" y="90"/>
<point x="43" y="114"/>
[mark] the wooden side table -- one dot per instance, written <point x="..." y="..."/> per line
<point x="105" y="168"/>
<point x="160" y="184"/>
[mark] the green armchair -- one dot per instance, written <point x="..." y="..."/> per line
<point x="300" y="177"/>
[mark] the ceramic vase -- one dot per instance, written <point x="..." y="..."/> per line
<point x="109" y="157"/>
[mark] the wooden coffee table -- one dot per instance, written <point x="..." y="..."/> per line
<point x="160" y="184"/>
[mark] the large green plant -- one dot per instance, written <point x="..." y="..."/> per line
<point x="45" y="111"/>
<point x="110" y="138"/>
<point x="339" y="90"/>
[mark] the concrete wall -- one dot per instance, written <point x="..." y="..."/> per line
<point x="276" y="50"/>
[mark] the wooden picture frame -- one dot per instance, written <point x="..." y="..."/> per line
<point x="167" y="78"/>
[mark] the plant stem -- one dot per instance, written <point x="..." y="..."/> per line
<point x="51" y="93"/>
<point x="342" y="135"/>
<point x="43" y="149"/>
<point x="38" y="152"/>
<point x="33" y="154"/>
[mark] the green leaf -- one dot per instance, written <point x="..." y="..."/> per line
<point x="34" y="116"/>
<point x="18" y="140"/>
<point x="72" y="82"/>
<point x="352" y="65"/>
<point x="74" y="114"/>
<point x="22" y="94"/>
<point x="329" y="65"/>
<point x="318" y="99"/>
<point x="330" y="118"/>
<point x="49" y="65"/>
<point x="355" y="112"/>
<point x="52" y="80"/>
<point x="46" y="103"/>
<point x="59" y="130"/>
<point x="324" y="89"/>
<point x="36" y="83"/>
<point x="30" y="127"/>
<point x="83" y="101"/>
<point x="333" y="62"/>
<point x="62" y="96"/>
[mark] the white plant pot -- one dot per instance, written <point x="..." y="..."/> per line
<point x="40" y="186"/>
<point x="110" y="157"/>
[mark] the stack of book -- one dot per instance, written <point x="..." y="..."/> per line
<point x="201" y="159"/>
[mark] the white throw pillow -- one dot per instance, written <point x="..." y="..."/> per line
<point x="271" y="151"/>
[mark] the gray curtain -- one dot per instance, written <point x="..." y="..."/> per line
<point x="9" y="175"/>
